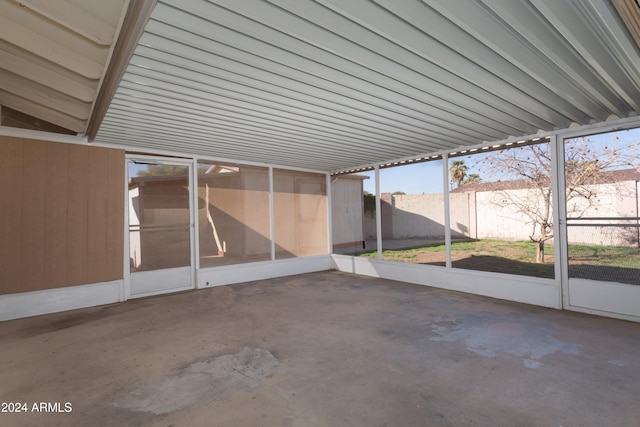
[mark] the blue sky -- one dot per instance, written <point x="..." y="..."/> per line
<point x="417" y="178"/>
<point x="427" y="177"/>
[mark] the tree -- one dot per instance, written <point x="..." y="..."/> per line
<point x="531" y="166"/>
<point x="522" y="181"/>
<point x="458" y="171"/>
<point x="163" y="170"/>
<point x="472" y="178"/>
<point x="369" y="203"/>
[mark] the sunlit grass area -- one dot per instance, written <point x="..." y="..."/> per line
<point x="615" y="256"/>
<point x="521" y="251"/>
<point x="598" y="262"/>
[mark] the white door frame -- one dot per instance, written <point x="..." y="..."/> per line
<point x="609" y="299"/>
<point x="126" y="291"/>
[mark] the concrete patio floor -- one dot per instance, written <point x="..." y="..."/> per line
<point x="321" y="349"/>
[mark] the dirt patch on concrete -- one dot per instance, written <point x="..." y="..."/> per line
<point x="215" y="378"/>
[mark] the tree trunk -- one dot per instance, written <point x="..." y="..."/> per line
<point x="540" y="251"/>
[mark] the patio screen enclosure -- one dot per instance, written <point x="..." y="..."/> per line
<point x="485" y="212"/>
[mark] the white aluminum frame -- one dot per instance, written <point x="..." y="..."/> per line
<point x="553" y="293"/>
<point x="447" y="214"/>
<point x="192" y="220"/>
<point x="328" y="193"/>
<point x="602" y="298"/>
<point x="378" y="216"/>
<point x="544" y="292"/>
<point x="239" y="273"/>
<point x="272" y="221"/>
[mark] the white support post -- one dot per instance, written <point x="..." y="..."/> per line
<point x="125" y="292"/>
<point x="559" y="206"/>
<point x="272" y="219"/>
<point x="447" y="212"/>
<point x="378" y="215"/>
<point x="196" y="228"/>
<point x="329" y="216"/>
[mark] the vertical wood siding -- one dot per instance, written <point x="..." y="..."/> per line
<point x="61" y="215"/>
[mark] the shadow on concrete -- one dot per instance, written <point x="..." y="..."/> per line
<point x="630" y="276"/>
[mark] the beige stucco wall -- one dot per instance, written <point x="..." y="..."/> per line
<point x="422" y="216"/>
<point x="614" y="200"/>
<point x="501" y="222"/>
<point x="484" y="215"/>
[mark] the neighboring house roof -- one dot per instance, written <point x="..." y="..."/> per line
<point x="520" y="184"/>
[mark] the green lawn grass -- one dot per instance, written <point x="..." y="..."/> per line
<point x="525" y="250"/>
<point x="614" y="256"/>
<point x="519" y="258"/>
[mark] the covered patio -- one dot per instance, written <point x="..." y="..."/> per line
<point x="175" y="176"/>
<point x="322" y="349"/>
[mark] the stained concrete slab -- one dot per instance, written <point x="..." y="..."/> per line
<point x="322" y="349"/>
<point x="215" y="378"/>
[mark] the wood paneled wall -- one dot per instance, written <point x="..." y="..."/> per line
<point x="61" y="215"/>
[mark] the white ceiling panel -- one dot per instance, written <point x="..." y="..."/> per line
<point x="334" y="84"/>
<point x="54" y="55"/>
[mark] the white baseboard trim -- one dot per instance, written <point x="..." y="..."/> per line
<point x="26" y="304"/>
<point x="239" y="273"/>
<point x="610" y="299"/>
<point x="529" y="290"/>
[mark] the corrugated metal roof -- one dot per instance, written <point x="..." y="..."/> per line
<point x="333" y="84"/>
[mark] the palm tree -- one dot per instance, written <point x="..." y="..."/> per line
<point x="458" y="171"/>
<point x="472" y="178"/>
